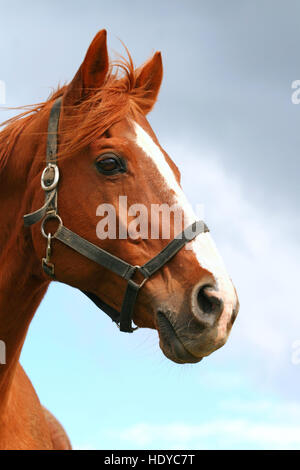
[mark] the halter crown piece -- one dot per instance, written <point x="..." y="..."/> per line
<point x="49" y="183"/>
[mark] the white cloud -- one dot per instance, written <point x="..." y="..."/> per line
<point x="269" y="410"/>
<point x="222" y="434"/>
<point x="259" y="251"/>
<point x="236" y="424"/>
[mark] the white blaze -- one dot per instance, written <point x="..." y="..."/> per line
<point x="203" y="245"/>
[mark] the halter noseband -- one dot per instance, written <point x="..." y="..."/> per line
<point x="49" y="183"/>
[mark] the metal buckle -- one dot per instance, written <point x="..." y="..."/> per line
<point x="49" y="182"/>
<point x="132" y="272"/>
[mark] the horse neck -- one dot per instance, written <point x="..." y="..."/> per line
<point x="22" y="285"/>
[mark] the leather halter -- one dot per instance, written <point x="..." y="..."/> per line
<point x="49" y="183"/>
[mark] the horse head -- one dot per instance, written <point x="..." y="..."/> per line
<point x="112" y="165"/>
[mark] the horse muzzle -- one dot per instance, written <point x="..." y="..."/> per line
<point x="188" y="336"/>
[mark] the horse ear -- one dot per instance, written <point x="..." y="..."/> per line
<point x="92" y="72"/>
<point x="149" y="77"/>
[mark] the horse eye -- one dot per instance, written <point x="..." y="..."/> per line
<point x="109" y="164"/>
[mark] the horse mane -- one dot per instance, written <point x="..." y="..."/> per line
<point x="88" y="119"/>
<point x="16" y="125"/>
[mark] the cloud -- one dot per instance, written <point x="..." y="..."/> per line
<point x="261" y="255"/>
<point x="235" y="424"/>
<point x="271" y="411"/>
<point x="261" y="424"/>
<point x="217" y="434"/>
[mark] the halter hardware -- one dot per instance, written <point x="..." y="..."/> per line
<point x="50" y="177"/>
<point x="49" y="183"/>
<point x="49" y="216"/>
<point x="46" y="265"/>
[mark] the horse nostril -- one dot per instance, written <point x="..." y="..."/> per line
<point x="208" y="301"/>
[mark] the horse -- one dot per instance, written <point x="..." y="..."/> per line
<point x="99" y="146"/>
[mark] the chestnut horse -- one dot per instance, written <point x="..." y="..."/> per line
<point x="106" y="149"/>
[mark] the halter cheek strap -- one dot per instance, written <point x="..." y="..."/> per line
<point x="49" y="183"/>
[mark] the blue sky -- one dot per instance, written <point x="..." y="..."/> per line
<point x="225" y="116"/>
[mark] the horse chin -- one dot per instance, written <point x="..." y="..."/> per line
<point x="170" y="343"/>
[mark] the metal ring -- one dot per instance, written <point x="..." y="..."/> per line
<point x="48" y="217"/>
<point x="55" y="179"/>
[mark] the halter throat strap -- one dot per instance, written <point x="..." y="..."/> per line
<point x="49" y="183"/>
